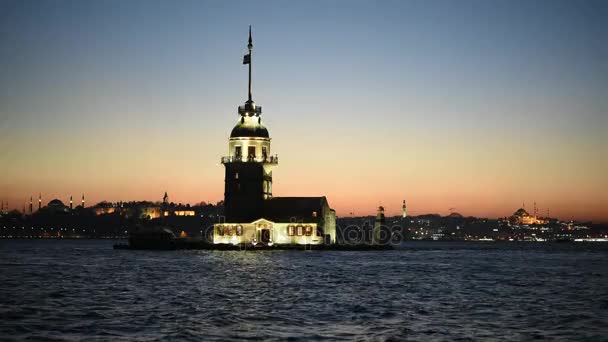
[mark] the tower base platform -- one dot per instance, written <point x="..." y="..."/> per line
<point x="178" y="244"/>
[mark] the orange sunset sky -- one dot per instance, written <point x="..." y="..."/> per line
<point x="443" y="106"/>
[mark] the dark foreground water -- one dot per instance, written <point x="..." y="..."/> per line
<point x="78" y="290"/>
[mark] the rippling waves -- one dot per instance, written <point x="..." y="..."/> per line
<point x="422" y="291"/>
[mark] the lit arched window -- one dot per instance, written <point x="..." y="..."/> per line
<point x="300" y="230"/>
<point x="230" y="231"/>
<point x="239" y="230"/>
<point x="220" y="230"/>
<point x="290" y="230"/>
<point x="308" y="230"/>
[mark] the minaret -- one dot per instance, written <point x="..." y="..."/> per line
<point x="71" y="203"/>
<point x="404" y="209"/>
<point x="248" y="178"/>
<point x="39" y="201"/>
<point x="166" y="199"/>
<point x="31" y="205"/>
<point x="82" y="202"/>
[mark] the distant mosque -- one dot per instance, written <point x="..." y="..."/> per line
<point x="522" y="217"/>
<point x="53" y="206"/>
<point x="252" y="215"/>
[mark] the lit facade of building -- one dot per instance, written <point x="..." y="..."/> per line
<point x="522" y="217"/>
<point x="179" y="212"/>
<point x="253" y="215"/>
<point x="103" y="210"/>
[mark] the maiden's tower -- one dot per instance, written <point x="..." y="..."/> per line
<point x="252" y="215"/>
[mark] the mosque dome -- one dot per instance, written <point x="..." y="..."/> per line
<point x="56" y="203"/>
<point x="455" y="215"/>
<point x="249" y="127"/>
<point x="55" y="206"/>
<point x="521" y="212"/>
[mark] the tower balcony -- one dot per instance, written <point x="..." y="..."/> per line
<point x="251" y="159"/>
<point x="250" y="110"/>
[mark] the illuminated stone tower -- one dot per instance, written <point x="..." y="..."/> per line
<point x="404" y="208"/>
<point x="248" y="178"/>
<point x="39" y="201"/>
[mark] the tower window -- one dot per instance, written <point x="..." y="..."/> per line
<point x="251" y="152"/>
<point x="264" y="153"/>
<point x="237" y="152"/>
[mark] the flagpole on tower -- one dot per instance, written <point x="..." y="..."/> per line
<point x="250" y="109"/>
<point x="250" y="47"/>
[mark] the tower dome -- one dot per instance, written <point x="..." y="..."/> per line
<point x="249" y="126"/>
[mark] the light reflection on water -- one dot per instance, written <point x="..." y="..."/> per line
<point x="421" y="291"/>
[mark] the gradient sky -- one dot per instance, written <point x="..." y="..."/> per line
<point x="473" y="105"/>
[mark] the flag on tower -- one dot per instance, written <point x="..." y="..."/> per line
<point x="247" y="58"/>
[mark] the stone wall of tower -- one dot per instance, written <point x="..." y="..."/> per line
<point x="243" y="193"/>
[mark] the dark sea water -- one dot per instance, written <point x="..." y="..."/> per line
<point x="75" y="290"/>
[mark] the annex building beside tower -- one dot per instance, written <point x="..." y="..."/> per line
<point x="252" y="215"/>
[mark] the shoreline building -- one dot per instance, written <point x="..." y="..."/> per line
<point x="253" y="215"/>
<point x="144" y="209"/>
